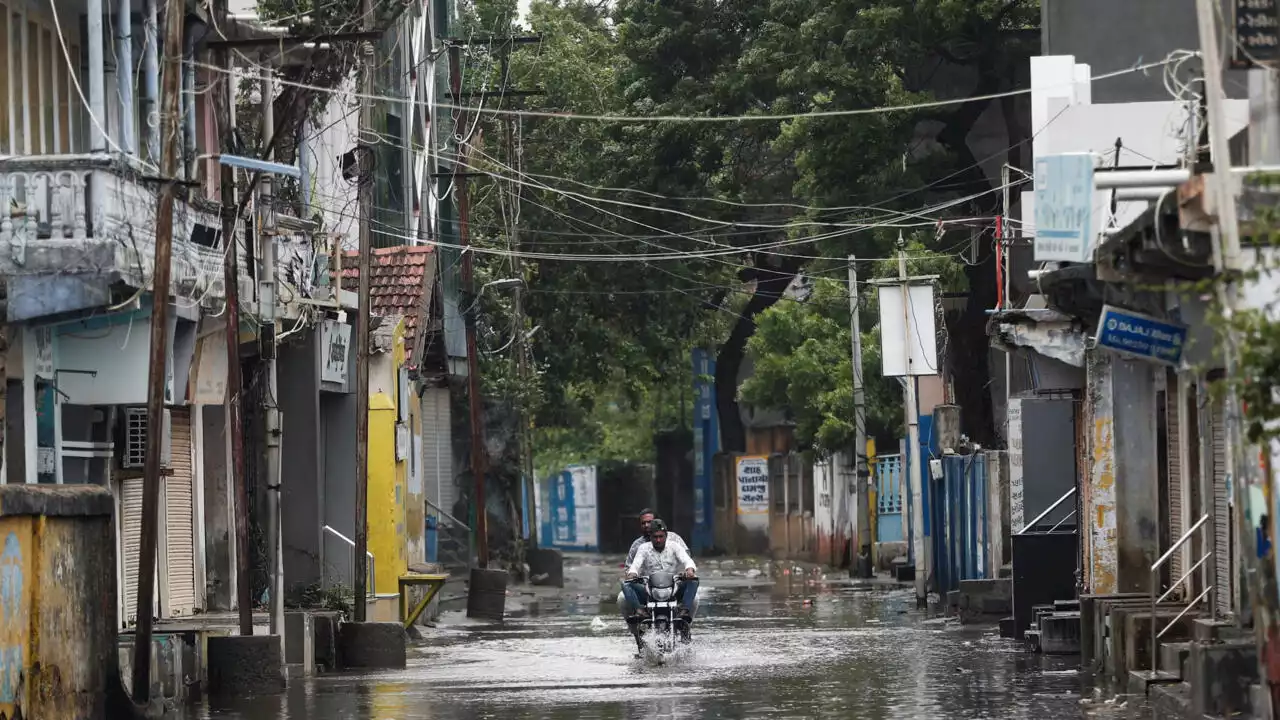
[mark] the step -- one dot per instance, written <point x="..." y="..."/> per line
<point x="1221" y="675"/>
<point x="1173" y="657"/>
<point x="1060" y="633"/>
<point x="904" y="573"/>
<point x="1141" y="681"/>
<point x="1171" y="700"/>
<point x="1066" y="605"/>
<point x="1032" y="640"/>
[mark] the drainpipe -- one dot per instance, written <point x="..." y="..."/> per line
<point x="97" y="79"/>
<point x="151" y="81"/>
<point x="124" y="73"/>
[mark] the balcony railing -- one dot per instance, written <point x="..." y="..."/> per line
<point x="96" y="215"/>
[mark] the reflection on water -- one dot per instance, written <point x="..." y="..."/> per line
<point x="809" y="653"/>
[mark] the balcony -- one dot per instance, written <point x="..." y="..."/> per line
<point x="73" y="227"/>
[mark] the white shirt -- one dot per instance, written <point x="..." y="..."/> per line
<point x="673" y="559"/>
<point x="644" y="540"/>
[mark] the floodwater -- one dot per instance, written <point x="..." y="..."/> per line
<point x="789" y="646"/>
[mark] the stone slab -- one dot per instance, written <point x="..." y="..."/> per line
<point x="371" y="646"/>
<point x="244" y="665"/>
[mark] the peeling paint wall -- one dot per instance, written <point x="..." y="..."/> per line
<point x="1137" y="489"/>
<point x="1103" y="564"/>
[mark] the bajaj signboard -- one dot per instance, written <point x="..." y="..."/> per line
<point x="1064" y="208"/>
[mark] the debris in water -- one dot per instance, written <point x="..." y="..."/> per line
<point x="598" y="624"/>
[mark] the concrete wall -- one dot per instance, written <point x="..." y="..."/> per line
<point x="388" y="477"/>
<point x="1111" y="35"/>
<point x="298" y="371"/>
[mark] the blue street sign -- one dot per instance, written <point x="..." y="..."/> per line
<point x="1064" y="207"/>
<point x="1141" y="336"/>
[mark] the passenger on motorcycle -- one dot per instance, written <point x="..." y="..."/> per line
<point x="646" y="517"/>
<point x="660" y="555"/>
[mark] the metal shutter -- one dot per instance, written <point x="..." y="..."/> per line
<point x="1174" y="455"/>
<point x="437" y="449"/>
<point x="179" y="519"/>
<point x="1223" y="593"/>
<point x="130" y="541"/>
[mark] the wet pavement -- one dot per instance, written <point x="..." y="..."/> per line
<point x="767" y="644"/>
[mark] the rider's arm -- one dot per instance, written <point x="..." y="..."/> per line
<point x="683" y="556"/>
<point x="633" y="570"/>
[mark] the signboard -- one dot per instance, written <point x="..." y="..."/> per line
<point x="1017" y="516"/>
<point x="1256" y="34"/>
<point x="753" y="485"/>
<point x="908" y="331"/>
<point x="1141" y="336"/>
<point x="335" y="337"/>
<point x="1064" y="208"/>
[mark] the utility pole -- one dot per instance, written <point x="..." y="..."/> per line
<point x="271" y="411"/>
<point x="862" y="513"/>
<point x="1259" y="574"/>
<point x="224" y="99"/>
<point x="479" y="466"/>
<point x="913" y="441"/>
<point x="157" y="371"/>
<point x="364" y="156"/>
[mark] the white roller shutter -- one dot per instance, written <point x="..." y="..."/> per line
<point x="130" y="544"/>
<point x="1174" y="455"/>
<point x="437" y="449"/>
<point x="179" y="520"/>
<point x="1223" y="592"/>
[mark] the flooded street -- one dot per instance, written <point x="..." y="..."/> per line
<point x="789" y="648"/>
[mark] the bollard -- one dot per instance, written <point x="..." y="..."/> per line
<point x="58" y="653"/>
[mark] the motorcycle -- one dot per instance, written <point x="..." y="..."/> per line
<point x="662" y="631"/>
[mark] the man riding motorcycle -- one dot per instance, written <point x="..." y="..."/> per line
<point x="646" y="517"/>
<point x="662" y="556"/>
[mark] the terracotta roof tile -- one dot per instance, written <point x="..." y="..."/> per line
<point x="396" y="284"/>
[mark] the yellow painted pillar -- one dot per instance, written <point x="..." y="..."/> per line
<point x="386" y="497"/>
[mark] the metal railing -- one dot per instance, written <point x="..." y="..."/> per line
<point x="442" y="535"/>
<point x="1155" y="580"/>
<point x="1048" y="510"/>
<point x="371" y="575"/>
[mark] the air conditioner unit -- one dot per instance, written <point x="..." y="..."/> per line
<point x="134" y="443"/>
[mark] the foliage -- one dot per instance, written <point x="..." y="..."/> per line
<point x="611" y="350"/>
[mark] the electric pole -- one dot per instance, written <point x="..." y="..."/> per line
<point x="862" y="512"/>
<point x="157" y="371"/>
<point x="271" y="411"/>
<point x="478" y="460"/>
<point x="224" y="100"/>
<point x="364" y="160"/>
<point x="914" y="458"/>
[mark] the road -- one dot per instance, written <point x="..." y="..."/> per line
<point x="775" y="644"/>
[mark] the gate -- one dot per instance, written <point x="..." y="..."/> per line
<point x="962" y="520"/>
<point x="889" y="499"/>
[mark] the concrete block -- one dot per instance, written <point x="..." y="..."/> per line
<point x="1088" y="632"/>
<point x="300" y="641"/>
<point x="244" y="665"/>
<point x="546" y="567"/>
<point x="1031" y="638"/>
<point x="904" y="573"/>
<point x="1007" y="627"/>
<point x="1207" y="630"/>
<point x="1221" y="677"/>
<point x="1261" y="700"/>
<point x="371" y="646"/>
<point x="1060" y="633"/>
<point x="985" y="600"/>
<point x="1138" y="627"/>
<point x="953" y="600"/>
<point x="1141" y="682"/>
<point x="487" y="594"/>
<point x="326" y="641"/>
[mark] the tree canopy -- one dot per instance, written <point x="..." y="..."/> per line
<point x="735" y="209"/>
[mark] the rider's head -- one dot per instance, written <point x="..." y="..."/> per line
<point x="658" y="534"/>
<point x="646" y="517"/>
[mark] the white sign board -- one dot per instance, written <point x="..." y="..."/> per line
<point x="1064" y="208"/>
<point x="912" y="328"/>
<point x="753" y="485"/>
<point x="335" y="337"/>
<point x="1014" y="437"/>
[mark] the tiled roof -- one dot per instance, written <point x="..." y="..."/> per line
<point x="396" y="285"/>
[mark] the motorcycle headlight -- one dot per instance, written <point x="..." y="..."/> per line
<point x="662" y="594"/>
